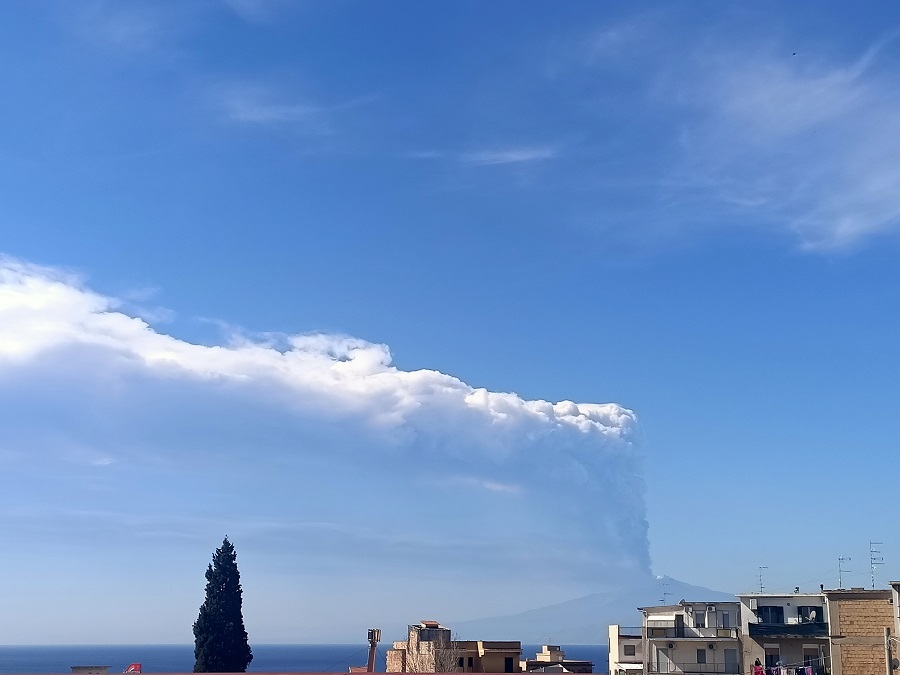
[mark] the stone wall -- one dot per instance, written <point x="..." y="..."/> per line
<point x="864" y="617"/>
<point x="396" y="660"/>
<point x="857" y="628"/>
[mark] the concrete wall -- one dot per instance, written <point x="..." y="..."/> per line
<point x="895" y="596"/>
<point x="712" y="619"/>
<point x="617" y="649"/>
<point x="788" y="603"/>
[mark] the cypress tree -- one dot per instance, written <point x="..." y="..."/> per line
<point x="220" y="640"/>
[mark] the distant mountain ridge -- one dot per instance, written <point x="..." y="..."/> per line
<point x="585" y="620"/>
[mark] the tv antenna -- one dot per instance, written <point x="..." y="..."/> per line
<point x="875" y="558"/>
<point x="760" y="577"/>
<point x="841" y="570"/>
<point x="665" y="593"/>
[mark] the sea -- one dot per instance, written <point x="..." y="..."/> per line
<point x="180" y="658"/>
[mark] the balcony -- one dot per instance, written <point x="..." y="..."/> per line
<point x="630" y="632"/>
<point x="660" y="630"/>
<point x="818" y="629"/>
<point x="692" y="668"/>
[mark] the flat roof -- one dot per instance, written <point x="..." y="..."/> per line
<point x="817" y="594"/>
<point x="684" y="603"/>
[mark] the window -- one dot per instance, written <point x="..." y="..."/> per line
<point x="459" y="662"/>
<point x="726" y="620"/>
<point x="629" y="650"/>
<point x="732" y="667"/>
<point x="663" y="665"/>
<point x="699" y="618"/>
<point x="770" y="614"/>
<point x="471" y="662"/>
<point x="811" y="656"/>
<point x="508" y="664"/>
<point x="773" y="656"/>
<point x="701" y="656"/>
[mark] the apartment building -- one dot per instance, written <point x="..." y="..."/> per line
<point x="833" y="632"/>
<point x="785" y="630"/>
<point x="691" y="637"/>
<point x="626" y="650"/>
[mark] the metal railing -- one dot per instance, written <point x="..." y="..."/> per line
<point x="817" y="629"/>
<point x="630" y="631"/>
<point x="696" y="668"/>
<point x="660" y="632"/>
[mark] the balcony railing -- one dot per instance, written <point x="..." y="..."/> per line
<point x="811" y="629"/>
<point x="692" y="668"/>
<point x="630" y="631"/>
<point x="661" y="632"/>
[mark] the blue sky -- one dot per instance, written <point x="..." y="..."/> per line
<point x="342" y="231"/>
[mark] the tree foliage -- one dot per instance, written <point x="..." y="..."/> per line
<point x="220" y="640"/>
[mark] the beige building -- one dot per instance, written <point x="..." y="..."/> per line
<point x="626" y="650"/>
<point x="552" y="659"/>
<point x="692" y="637"/>
<point x="857" y="619"/>
<point x="430" y="648"/>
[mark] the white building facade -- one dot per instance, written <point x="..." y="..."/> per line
<point x="789" y="631"/>
<point x="626" y="650"/>
<point x="692" y="638"/>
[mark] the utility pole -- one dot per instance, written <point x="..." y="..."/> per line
<point x="875" y="558"/>
<point x="888" y="667"/>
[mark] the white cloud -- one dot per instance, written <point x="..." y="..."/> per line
<point x="134" y="27"/>
<point x="42" y="309"/>
<point x="797" y="143"/>
<point x="509" y="155"/>
<point x="253" y="104"/>
<point x="260" y="11"/>
<point x="417" y="468"/>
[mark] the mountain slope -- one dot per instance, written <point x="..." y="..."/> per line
<point x="584" y="620"/>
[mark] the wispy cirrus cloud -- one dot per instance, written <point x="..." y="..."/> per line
<point x="134" y="27"/>
<point x="259" y="105"/>
<point x="510" y="155"/>
<point x="491" y="157"/>
<point x="263" y="11"/>
<point x="729" y="128"/>
<point x="809" y="146"/>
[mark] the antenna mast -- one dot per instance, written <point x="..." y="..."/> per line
<point x="760" y="577"/>
<point x="665" y="593"/>
<point x="875" y="558"/>
<point x="841" y="570"/>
